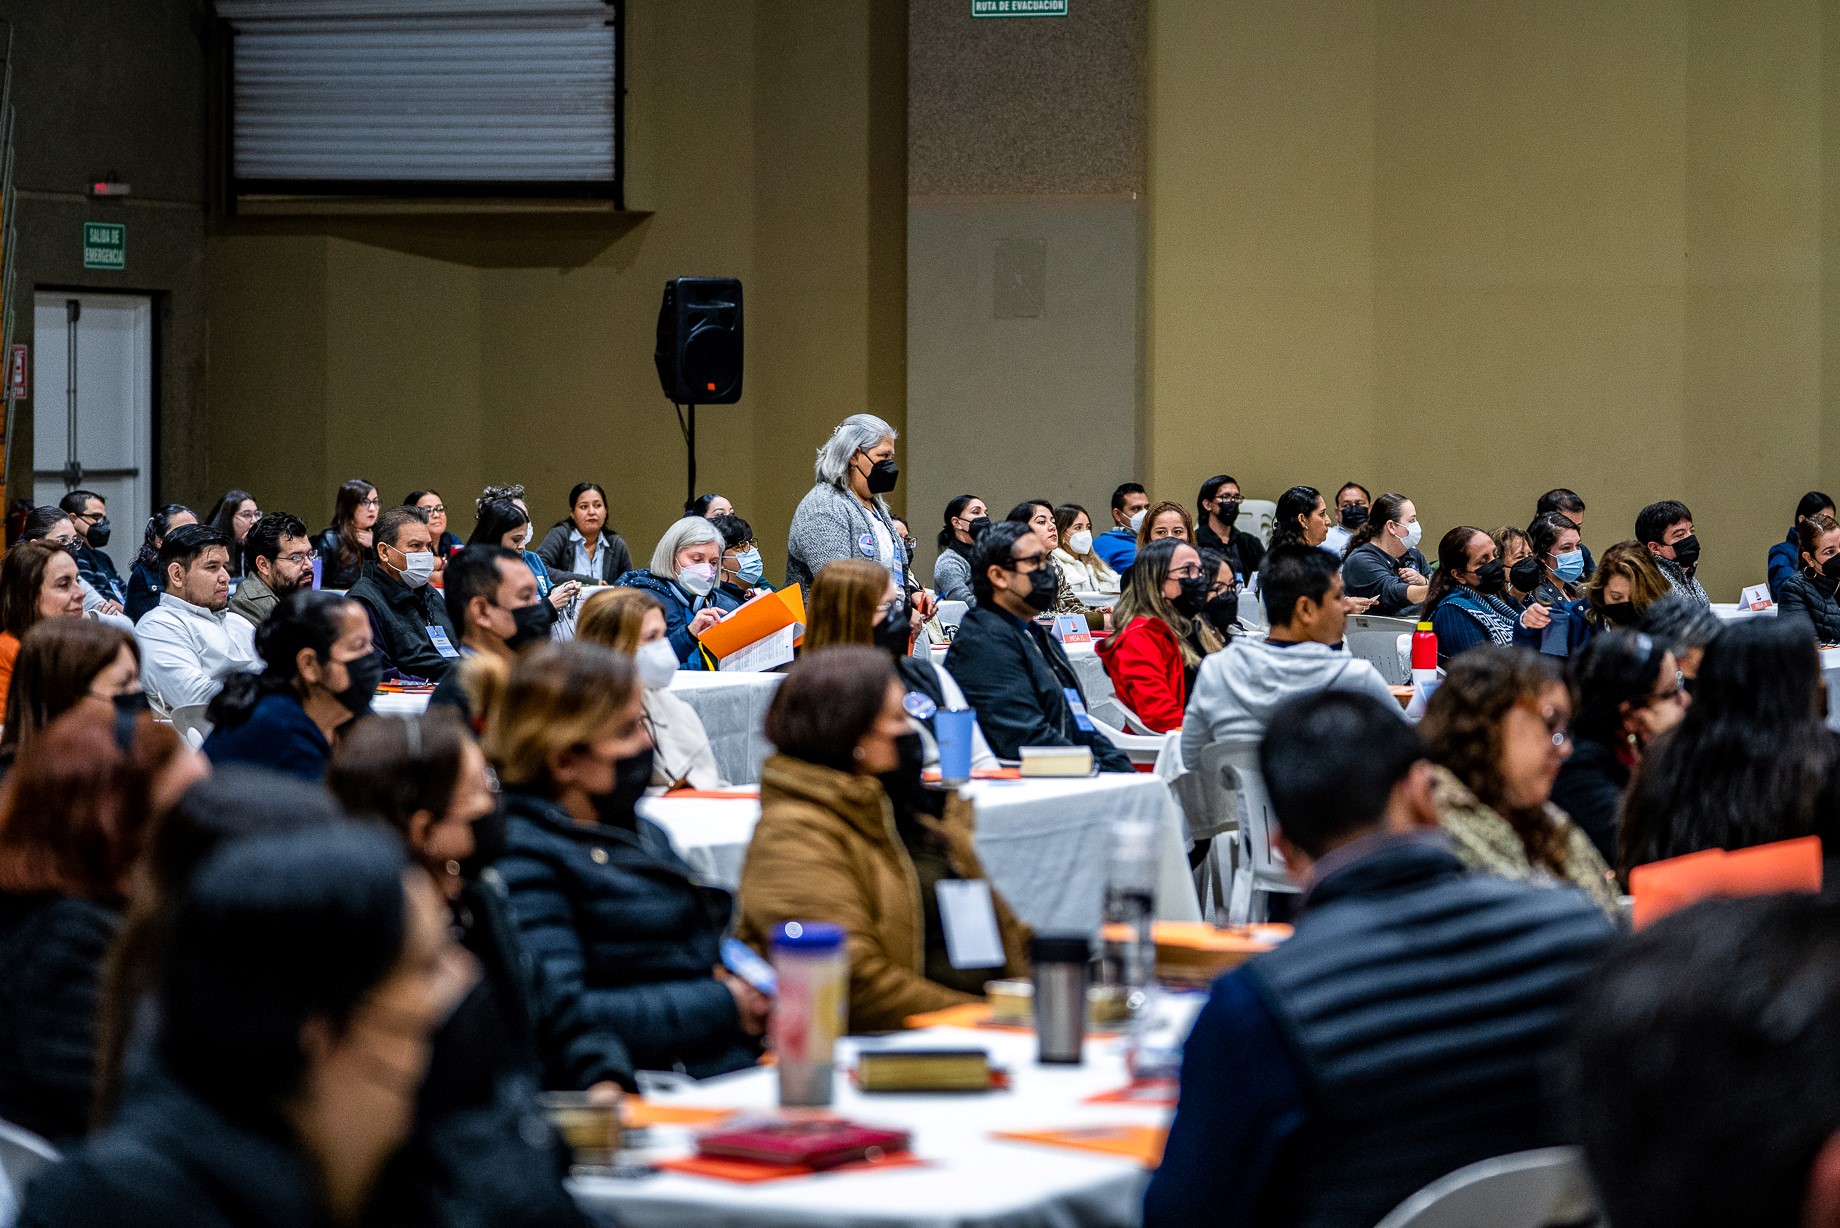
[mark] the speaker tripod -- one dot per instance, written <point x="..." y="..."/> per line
<point x="686" y="422"/>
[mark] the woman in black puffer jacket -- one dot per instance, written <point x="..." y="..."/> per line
<point x="1814" y="591"/>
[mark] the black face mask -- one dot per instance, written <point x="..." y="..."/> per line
<point x="1193" y="597"/>
<point x="366" y="672"/>
<point x="132" y="702"/>
<point x="977" y="528"/>
<point x="1620" y="614"/>
<point x="882" y="476"/>
<point x="895" y="633"/>
<point x="98" y="533"/>
<point x="1227" y="511"/>
<point x="488" y="844"/>
<point x="1223" y="611"/>
<point x="1044" y="587"/>
<point x="630" y="778"/>
<point x="533" y="624"/>
<point x="1525" y="575"/>
<point x="1686" y="552"/>
<point x="1492" y="577"/>
<point x="1353" y="516"/>
<point x="1831" y="568"/>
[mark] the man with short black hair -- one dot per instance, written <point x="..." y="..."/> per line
<point x="1702" y="1068"/>
<point x="491" y="596"/>
<point x="1011" y="669"/>
<point x="410" y="630"/>
<point x="1666" y="529"/>
<point x="90" y="514"/>
<point x="189" y="643"/>
<point x="1118" y="545"/>
<point x="1569" y="505"/>
<point x="1403" y="1031"/>
<point x="277" y="560"/>
<point x="1235" y="691"/>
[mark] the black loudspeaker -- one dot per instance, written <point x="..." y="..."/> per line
<point x="699" y="341"/>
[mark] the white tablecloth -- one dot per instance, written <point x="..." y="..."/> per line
<point x="733" y="709"/>
<point x="1732" y="612"/>
<point x="969" y="1179"/>
<point x="1044" y="843"/>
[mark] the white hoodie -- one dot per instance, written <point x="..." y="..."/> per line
<point x="1237" y="688"/>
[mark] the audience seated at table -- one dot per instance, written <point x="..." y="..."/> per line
<point x="683" y="578"/>
<point x="1083" y="572"/>
<point x="56" y="527"/>
<point x="1467" y="604"/>
<point x="426" y="779"/>
<point x="1302" y="519"/>
<point x="1785" y="557"/>
<point x="277" y="560"/>
<point x="966" y="517"/>
<point x="234" y="515"/>
<point x="1218" y="505"/>
<point x="1038" y="515"/>
<point x="318" y="673"/>
<point x="61" y="663"/>
<point x="78" y="805"/>
<point x="1350" y="512"/>
<point x="1568" y="504"/>
<point x="1117" y="546"/>
<point x="1809" y="592"/>
<point x="1626" y="692"/>
<point x="1665" y="529"/>
<point x="1011" y="669"/>
<point x="1497" y="730"/>
<point x="628" y="938"/>
<point x="1685" y="626"/>
<point x="844" y="515"/>
<point x="189" y="642"/>
<point x="743" y="574"/>
<point x="580" y="546"/>
<point x="1162" y="636"/>
<point x="1384" y="562"/>
<point x="145" y="580"/>
<point x="304" y="978"/>
<point x="1328" y="1080"/>
<point x="38" y="581"/>
<point x="434" y="508"/>
<point x="347" y="544"/>
<point x="1751" y="762"/>
<point x="631" y="621"/>
<point x="852" y="605"/>
<point x="824" y="851"/>
<point x="410" y="631"/>
<point x="89" y="513"/>
<point x="492" y="598"/>
<point x="1236" y="691"/>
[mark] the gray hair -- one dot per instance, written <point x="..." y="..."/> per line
<point x="1680" y="623"/>
<point x="690" y="531"/>
<point x="856" y="433"/>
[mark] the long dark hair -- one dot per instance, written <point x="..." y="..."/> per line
<point x="1752" y="760"/>
<point x="497" y="518"/>
<point x="1294" y="505"/>
<point x="1617" y="667"/>
<point x="158" y="525"/>
<point x="1384" y="511"/>
<point x="391" y="767"/>
<point x="948" y="540"/>
<point x="352" y="492"/>
<point x="1453" y="556"/>
<point x="308" y="618"/>
<point x="223" y="519"/>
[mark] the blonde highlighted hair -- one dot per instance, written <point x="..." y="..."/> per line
<point x="614" y="618"/>
<point x="844" y="597"/>
<point x="558" y="696"/>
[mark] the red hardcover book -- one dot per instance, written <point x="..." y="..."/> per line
<point x="813" y="1144"/>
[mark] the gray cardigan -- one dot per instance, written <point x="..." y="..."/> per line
<point x="832" y="524"/>
<point x="952" y="578"/>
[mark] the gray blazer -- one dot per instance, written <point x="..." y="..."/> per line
<point x="832" y="524"/>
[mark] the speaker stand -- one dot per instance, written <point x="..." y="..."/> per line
<point x="687" y="424"/>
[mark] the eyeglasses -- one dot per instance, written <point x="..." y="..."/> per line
<point x="92" y="517"/>
<point x="65" y="543"/>
<point x="439" y="507"/>
<point x="373" y="501"/>
<point x="1223" y="590"/>
<point x="1188" y="571"/>
<point x="1022" y="566"/>
<point x="1672" y="693"/>
<point x="299" y="560"/>
<point x="251" y="516"/>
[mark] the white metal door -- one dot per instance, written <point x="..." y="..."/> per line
<point x="92" y="401"/>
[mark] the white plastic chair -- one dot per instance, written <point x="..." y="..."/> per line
<point x="22" y="1155"/>
<point x="1142" y="749"/>
<point x="1377" y="639"/>
<point x="1259" y="871"/>
<point x="1211" y="810"/>
<point x="189" y="721"/>
<point x="1257" y="517"/>
<point x="1529" y="1189"/>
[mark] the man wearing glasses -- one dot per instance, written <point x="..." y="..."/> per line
<point x="1013" y="672"/>
<point x="90" y="514"/>
<point x="277" y="560"/>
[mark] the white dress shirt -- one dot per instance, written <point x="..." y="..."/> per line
<point x="187" y="652"/>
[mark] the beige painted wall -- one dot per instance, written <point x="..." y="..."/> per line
<point x="1470" y="251"/>
<point x="454" y="351"/>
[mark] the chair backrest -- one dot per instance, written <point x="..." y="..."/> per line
<point x="1529" y="1189"/>
<point x="1210" y="807"/>
<point x="1377" y="639"/>
<point x="1257" y="517"/>
<point x="1141" y="750"/>
<point x="22" y="1154"/>
<point x="952" y="613"/>
<point x="1236" y="763"/>
<point x="189" y="721"/>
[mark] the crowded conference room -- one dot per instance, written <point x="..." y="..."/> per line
<point x="919" y="614"/>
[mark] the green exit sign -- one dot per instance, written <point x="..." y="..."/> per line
<point x="105" y="245"/>
<point x="1018" y="8"/>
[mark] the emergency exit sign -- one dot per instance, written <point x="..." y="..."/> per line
<point x="105" y="245"/>
<point x="1018" y="8"/>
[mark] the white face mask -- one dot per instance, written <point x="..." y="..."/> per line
<point x="657" y="663"/>
<point x="1414" y="533"/>
<point x="418" y="567"/>
<point x="1080" y="543"/>
<point x="1137" y="520"/>
<point x="698" y="578"/>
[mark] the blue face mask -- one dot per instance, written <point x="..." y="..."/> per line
<point x="748" y="567"/>
<point x="1569" y="566"/>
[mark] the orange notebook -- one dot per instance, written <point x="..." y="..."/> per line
<point x="1663" y="887"/>
<point x="1141" y="1143"/>
<point x="756" y="620"/>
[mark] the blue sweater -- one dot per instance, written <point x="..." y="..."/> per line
<point x="1785" y="560"/>
<point x="278" y="734"/>
<point x="1118" y="548"/>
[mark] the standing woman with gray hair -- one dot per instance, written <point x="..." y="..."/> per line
<point x="844" y="516"/>
<point x="683" y="576"/>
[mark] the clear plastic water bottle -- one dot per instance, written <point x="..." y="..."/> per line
<point x="1130" y="901"/>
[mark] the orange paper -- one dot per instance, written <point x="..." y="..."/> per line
<point x="755" y="621"/>
<point x="1141" y="1143"/>
<point x="1200" y="936"/>
<point x="637" y="1112"/>
<point x="1157" y="1093"/>
<point x="965" y="1015"/>
<point x="1007" y="773"/>
<point x="1663" y="887"/>
<point x="751" y="1171"/>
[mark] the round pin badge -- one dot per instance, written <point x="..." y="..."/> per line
<point x="919" y="706"/>
<point x="866" y="544"/>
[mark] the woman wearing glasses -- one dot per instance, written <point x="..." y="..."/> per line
<point x="346" y="544"/>
<point x="1627" y="692"/>
<point x="1163" y="633"/>
<point x="235" y="514"/>
<point x="1497" y="731"/>
<point x="435" y="508"/>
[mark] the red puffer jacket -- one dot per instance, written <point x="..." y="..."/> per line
<point x="1145" y="664"/>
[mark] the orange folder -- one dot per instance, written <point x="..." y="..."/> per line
<point x="1141" y="1143"/>
<point x="756" y="620"/>
<point x="1663" y="887"/>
